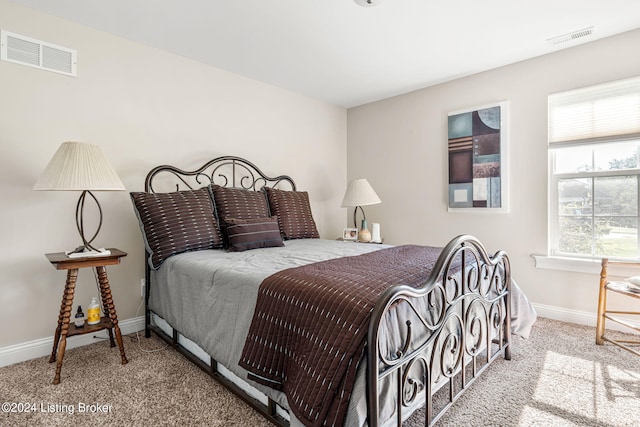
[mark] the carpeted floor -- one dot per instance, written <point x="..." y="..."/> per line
<point x="558" y="377"/>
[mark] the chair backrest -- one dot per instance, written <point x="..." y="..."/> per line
<point x="606" y="262"/>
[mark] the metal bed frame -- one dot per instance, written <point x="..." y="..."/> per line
<point x="468" y="328"/>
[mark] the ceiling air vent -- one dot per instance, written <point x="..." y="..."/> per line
<point x="571" y="36"/>
<point x="35" y="53"/>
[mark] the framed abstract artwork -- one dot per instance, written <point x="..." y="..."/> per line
<point x="477" y="143"/>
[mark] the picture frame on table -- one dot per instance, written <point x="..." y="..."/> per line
<point x="350" y="234"/>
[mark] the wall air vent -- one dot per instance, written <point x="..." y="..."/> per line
<point x="585" y="32"/>
<point x="35" y="53"/>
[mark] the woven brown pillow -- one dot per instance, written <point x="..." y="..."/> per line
<point x="176" y="222"/>
<point x="239" y="203"/>
<point x="245" y="234"/>
<point x="294" y="213"/>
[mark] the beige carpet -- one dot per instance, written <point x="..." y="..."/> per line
<point x="558" y="377"/>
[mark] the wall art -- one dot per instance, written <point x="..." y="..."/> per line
<point x="478" y="159"/>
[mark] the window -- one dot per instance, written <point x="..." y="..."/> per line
<point x="594" y="168"/>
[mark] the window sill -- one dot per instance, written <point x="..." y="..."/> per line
<point x="589" y="266"/>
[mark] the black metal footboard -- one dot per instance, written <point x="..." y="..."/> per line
<point x="447" y="332"/>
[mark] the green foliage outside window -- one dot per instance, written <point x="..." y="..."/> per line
<point x="598" y="215"/>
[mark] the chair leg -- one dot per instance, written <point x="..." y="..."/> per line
<point x="602" y="304"/>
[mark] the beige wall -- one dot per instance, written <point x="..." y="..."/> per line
<point x="144" y="107"/>
<point x="399" y="145"/>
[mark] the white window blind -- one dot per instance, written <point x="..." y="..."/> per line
<point x="607" y="112"/>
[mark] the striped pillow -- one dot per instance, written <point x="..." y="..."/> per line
<point x="239" y="203"/>
<point x="294" y="213"/>
<point x="245" y="234"/>
<point x="176" y="222"/>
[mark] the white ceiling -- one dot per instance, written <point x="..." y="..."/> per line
<point x="345" y="54"/>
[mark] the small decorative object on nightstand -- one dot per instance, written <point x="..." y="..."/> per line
<point x="349" y="235"/>
<point x="79" y="317"/>
<point x="364" y="235"/>
<point x="110" y="319"/>
<point x="375" y="233"/>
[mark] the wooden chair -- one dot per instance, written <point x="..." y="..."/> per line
<point x="621" y="287"/>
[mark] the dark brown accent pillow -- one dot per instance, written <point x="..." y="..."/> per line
<point x="245" y="234"/>
<point x="294" y="213"/>
<point x="239" y="203"/>
<point x="176" y="222"/>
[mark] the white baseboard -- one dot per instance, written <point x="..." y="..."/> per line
<point x="566" y="315"/>
<point x="579" y="317"/>
<point x="42" y="347"/>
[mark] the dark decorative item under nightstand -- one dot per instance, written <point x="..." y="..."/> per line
<point x="109" y="321"/>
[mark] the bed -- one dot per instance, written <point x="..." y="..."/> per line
<point x="238" y="280"/>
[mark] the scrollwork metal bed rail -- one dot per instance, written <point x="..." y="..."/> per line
<point x="472" y="315"/>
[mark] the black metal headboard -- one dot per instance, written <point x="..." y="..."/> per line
<point x="226" y="171"/>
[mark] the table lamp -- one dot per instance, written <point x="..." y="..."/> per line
<point x="360" y="193"/>
<point x="81" y="167"/>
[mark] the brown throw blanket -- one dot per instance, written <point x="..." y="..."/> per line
<point x="309" y="329"/>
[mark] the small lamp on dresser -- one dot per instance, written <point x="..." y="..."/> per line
<point x="360" y="193"/>
<point x="81" y="167"/>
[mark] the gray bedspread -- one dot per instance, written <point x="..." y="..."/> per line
<point x="209" y="296"/>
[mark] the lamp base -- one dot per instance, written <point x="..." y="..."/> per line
<point x="80" y="221"/>
<point x="82" y="252"/>
<point x="364" y="236"/>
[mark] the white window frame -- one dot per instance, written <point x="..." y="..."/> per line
<point x="590" y="128"/>
<point x="554" y="218"/>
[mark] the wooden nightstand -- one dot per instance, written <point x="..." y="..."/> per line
<point x="109" y="321"/>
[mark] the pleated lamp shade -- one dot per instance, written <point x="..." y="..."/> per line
<point x="360" y="193"/>
<point x="78" y="166"/>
